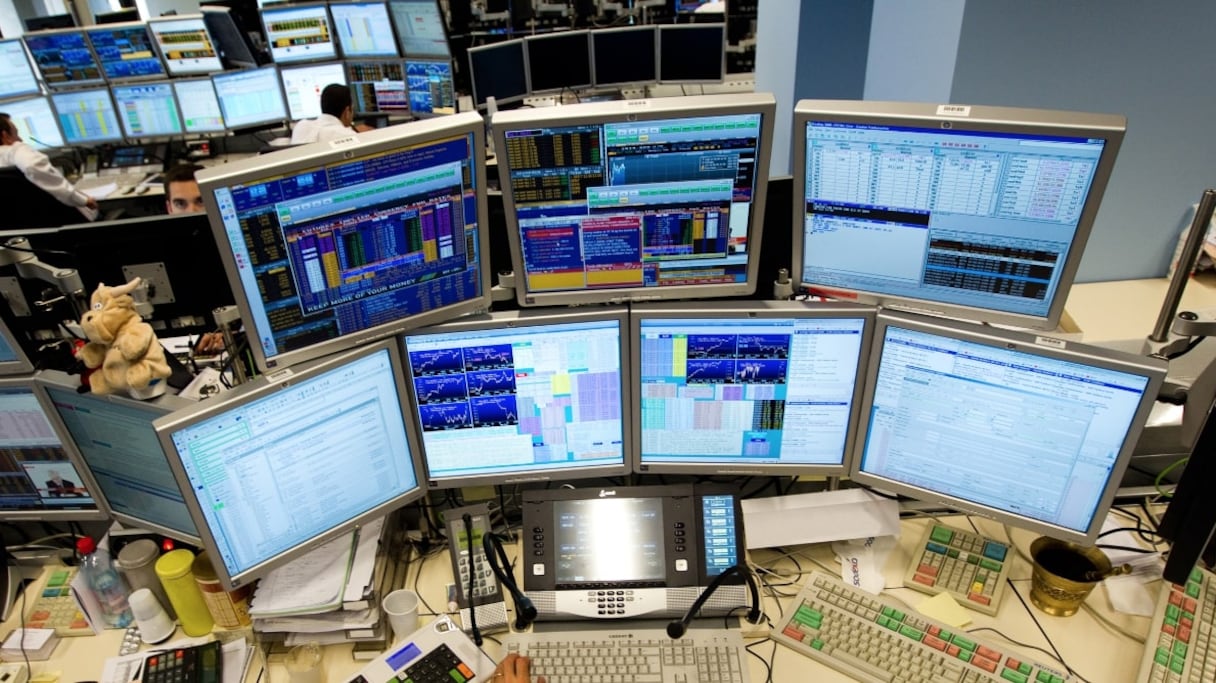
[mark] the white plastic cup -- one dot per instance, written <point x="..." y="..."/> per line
<point x="401" y="606"/>
<point x="304" y="664"/>
<point x="154" y="624"/>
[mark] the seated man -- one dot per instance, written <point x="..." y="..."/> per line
<point x="181" y="190"/>
<point x="37" y="168"/>
<point x="336" y="120"/>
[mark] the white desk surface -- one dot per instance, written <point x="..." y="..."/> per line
<point x="1128" y="309"/>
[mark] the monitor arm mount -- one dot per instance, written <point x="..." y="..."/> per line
<point x="1173" y="333"/>
<point x="17" y="252"/>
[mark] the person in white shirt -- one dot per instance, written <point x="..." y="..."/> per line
<point x="336" y="120"/>
<point x="15" y="153"/>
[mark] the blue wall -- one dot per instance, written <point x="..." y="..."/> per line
<point x="912" y="50"/>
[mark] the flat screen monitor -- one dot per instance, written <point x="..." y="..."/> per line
<point x="420" y="28"/>
<point x="625" y="56"/>
<point x="41" y="480"/>
<point x="377" y="86"/>
<point x="747" y="388"/>
<point x="279" y="467"/>
<point x="962" y="211"/>
<point x="64" y="58"/>
<point x="147" y="110"/>
<point x="16" y="73"/>
<point x="125" y="51"/>
<point x="1028" y="430"/>
<point x="364" y="29"/>
<point x="186" y="45"/>
<point x="617" y="201"/>
<point x="36" y="122"/>
<point x="328" y="247"/>
<point x="499" y="70"/>
<point x="50" y="22"/>
<point x="302" y="86"/>
<point x="87" y="117"/>
<point x="522" y="396"/>
<point x="113" y="437"/>
<point x="432" y="87"/>
<point x="13" y="360"/>
<point x="232" y="42"/>
<point x="250" y="99"/>
<point x="199" y="106"/>
<point x="117" y="17"/>
<point x="559" y="61"/>
<point x="692" y="53"/>
<point x="299" y="33"/>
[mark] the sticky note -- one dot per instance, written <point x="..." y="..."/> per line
<point x="945" y="609"/>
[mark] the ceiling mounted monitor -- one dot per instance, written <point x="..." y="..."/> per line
<point x="125" y="51"/>
<point x="186" y="45"/>
<point x="64" y="58"/>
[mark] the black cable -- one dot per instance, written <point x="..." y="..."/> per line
<point x="468" y="532"/>
<point x="1127" y="548"/>
<point x="768" y="665"/>
<point x="1189" y="347"/>
<point x="56" y="252"/>
<point x="1028" y="646"/>
<point x="24" y="655"/>
<point x="1058" y="657"/>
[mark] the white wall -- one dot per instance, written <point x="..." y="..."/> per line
<point x="913" y="46"/>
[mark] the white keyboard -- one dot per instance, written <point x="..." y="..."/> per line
<point x="122" y="180"/>
<point x="634" y="656"/>
<point x="1181" y="646"/>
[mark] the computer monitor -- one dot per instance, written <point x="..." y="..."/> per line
<point x="117" y="17"/>
<point x="87" y="117"/>
<point x="625" y="56"/>
<point x="234" y="45"/>
<point x="186" y="45"/>
<point x="64" y="58"/>
<point x="559" y="61"/>
<point x="1189" y="523"/>
<point x="330" y="246"/>
<point x="147" y="110"/>
<point x="377" y="86"/>
<point x="621" y="201"/>
<point x="962" y="211"/>
<point x="499" y="70"/>
<point x="250" y="99"/>
<point x="747" y="388"/>
<point x="302" y="86"/>
<point x="113" y="437"/>
<point x="1028" y="430"/>
<point x="692" y="53"/>
<point x="53" y="21"/>
<point x="299" y="33"/>
<point x="432" y="87"/>
<point x="280" y="466"/>
<point x="13" y="360"/>
<point x="35" y="121"/>
<point x="41" y="480"/>
<point x="199" y="106"/>
<point x="420" y="28"/>
<point x="16" y="73"/>
<point x="125" y="51"/>
<point x="522" y="396"/>
<point x="364" y="29"/>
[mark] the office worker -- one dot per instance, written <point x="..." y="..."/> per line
<point x="336" y="120"/>
<point x="35" y="166"/>
<point x="514" y="668"/>
<point x="181" y="190"/>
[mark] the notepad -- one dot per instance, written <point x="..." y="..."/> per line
<point x="312" y="584"/>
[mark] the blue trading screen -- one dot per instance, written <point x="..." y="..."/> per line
<point x="345" y="247"/>
<point x="747" y="391"/>
<point x="378" y="86"/>
<point x="520" y="400"/>
<point x="64" y="58"/>
<point x="126" y="52"/>
<point x="431" y="88"/>
<point x="634" y="204"/>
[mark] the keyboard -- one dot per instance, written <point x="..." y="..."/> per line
<point x="633" y="656"/>
<point x="968" y="566"/>
<point x="875" y="641"/>
<point x="1181" y="646"/>
<point x="55" y="607"/>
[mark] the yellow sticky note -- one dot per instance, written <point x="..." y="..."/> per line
<point x="943" y="607"/>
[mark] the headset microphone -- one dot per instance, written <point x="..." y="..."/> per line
<point x="676" y="628"/>
<point x="525" y="611"/>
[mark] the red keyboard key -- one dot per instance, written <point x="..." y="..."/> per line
<point x="985" y="664"/>
<point x="982" y="599"/>
<point x="921" y="578"/>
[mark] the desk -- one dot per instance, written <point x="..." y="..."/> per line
<point x="1097" y="653"/>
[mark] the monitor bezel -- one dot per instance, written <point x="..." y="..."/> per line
<point x="66" y="85"/>
<point x="960" y="118"/>
<point x="27" y="136"/>
<point x="1013" y="340"/>
<point x="607" y="33"/>
<point x="665" y="28"/>
<point x="35" y="76"/>
<point x="223" y="130"/>
<point x="289" y="8"/>
<point x="623" y="111"/>
<point x="272" y="122"/>
<point x="531" y="40"/>
<point x="347" y="65"/>
<point x="388" y="17"/>
<point x="21" y="365"/>
<point x="122" y="123"/>
<point x="430" y="60"/>
<point x="177" y="73"/>
<point x="261" y="388"/>
<point x="123" y="80"/>
<point x="122" y="135"/>
<point x="748" y="310"/>
<point x="216" y="15"/>
<point x="283" y="70"/>
<point x="447" y="38"/>
<point x="523" y="54"/>
<point x="500" y="320"/>
<point x="294" y="160"/>
<point x="161" y="406"/>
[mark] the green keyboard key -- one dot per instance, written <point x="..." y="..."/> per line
<point x="941" y="534"/>
<point x="1015" y="676"/>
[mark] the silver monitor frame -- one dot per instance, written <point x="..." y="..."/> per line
<point x="156" y="21"/>
<point x="144" y="84"/>
<point x="30" y="67"/>
<point x="102" y="28"/>
<point x="451" y="73"/>
<point x="21" y="365"/>
<point x="211" y="83"/>
<point x="109" y="96"/>
<point x="388" y="18"/>
<point x="523" y="56"/>
<point x="304" y="66"/>
<point x="278" y="88"/>
<point x="288" y="8"/>
<point x="100" y="81"/>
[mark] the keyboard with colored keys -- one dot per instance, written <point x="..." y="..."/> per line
<point x="968" y="566"/>
<point x="1181" y="647"/>
<point x="873" y="640"/>
<point x="55" y="607"/>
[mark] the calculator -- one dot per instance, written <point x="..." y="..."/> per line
<point x="198" y="664"/>
<point x="56" y="607"/>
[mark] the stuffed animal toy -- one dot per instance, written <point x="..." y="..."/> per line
<point x="124" y="347"/>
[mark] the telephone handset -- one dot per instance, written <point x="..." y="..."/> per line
<point x="487" y="597"/>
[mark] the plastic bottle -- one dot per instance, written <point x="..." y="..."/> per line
<point x="106" y="584"/>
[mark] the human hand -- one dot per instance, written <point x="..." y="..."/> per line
<point x="363" y="128"/>
<point x="210" y="343"/>
<point x="91" y="204"/>
<point x="514" y="669"/>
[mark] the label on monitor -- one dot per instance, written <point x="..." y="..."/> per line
<point x="953" y="110"/>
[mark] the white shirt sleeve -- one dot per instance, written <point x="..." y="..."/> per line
<point x="39" y="171"/>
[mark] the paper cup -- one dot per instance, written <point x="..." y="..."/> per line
<point x="401" y="607"/>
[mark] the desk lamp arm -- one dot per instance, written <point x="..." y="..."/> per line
<point x="17" y="251"/>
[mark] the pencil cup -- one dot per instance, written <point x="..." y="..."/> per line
<point x="304" y="664"/>
<point x="401" y="606"/>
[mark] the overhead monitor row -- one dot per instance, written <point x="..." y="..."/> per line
<point x="230" y="101"/>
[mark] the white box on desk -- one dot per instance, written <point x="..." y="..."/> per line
<point x="818" y="518"/>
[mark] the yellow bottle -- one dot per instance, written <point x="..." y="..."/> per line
<point x="173" y="568"/>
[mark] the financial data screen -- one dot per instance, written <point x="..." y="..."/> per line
<point x="297" y="34"/>
<point x="36" y="122"/>
<point x="1023" y="434"/>
<point x="125" y="52"/>
<point x="35" y="472"/>
<point x="515" y="401"/>
<point x="342" y="248"/>
<point x="958" y="217"/>
<point x="420" y="28"/>
<point x="634" y="204"/>
<point x="747" y="391"/>
<point x="200" y="108"/>
<point x="16" y="75"/>
<point x="720" y="533"/>
<point x="147" y="110"/>
<point x="250" y="98"/>
<point x="432" y="91"/>
<point x="64" y="58"/>
<point x="364" y="29"/>
<point x="378" y="86"/>
<point x="302" y="86"/>
<point x="273" y="473"/>
<point x="186" y="46"/>
<point x="87" y="117"/>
